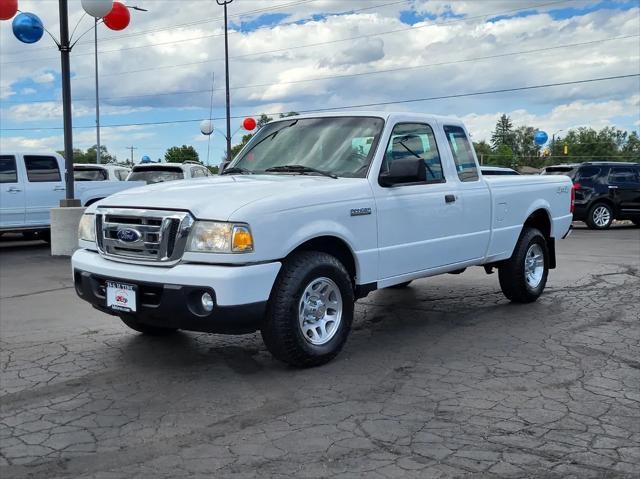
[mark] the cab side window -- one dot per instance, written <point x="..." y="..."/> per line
<point x="8" y="171"/>
<point x="623" y="175"/>
<point x="462" y="153"/>
<point x="415" y="140"/>
<point x="42" y="169"/>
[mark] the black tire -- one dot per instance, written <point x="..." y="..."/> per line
<point x="512" y="276"/>
<point x="401" y="285"/>
<point x="145" y="328"/>
<point x="636" y="222"/>
<point x="592" y="217"/>
<point x="281" y="331"/>
<point x="31" y="235"/>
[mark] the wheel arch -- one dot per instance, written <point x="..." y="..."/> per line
<point x="335" y="246"/>
<point x="541" y="220"/>
<point x="91" y="201"/>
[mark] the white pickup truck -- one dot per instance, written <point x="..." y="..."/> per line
<point x="314" y="213"/>
<point x="33" y="183"/>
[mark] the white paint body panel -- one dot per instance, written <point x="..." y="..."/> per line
<point x="30" y="207"/>
<point x="411" y="231"/>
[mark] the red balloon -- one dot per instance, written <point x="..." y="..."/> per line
<point x="8" y="9"/>
<point x="249" y="124"/>
<point x="118" y="18"/>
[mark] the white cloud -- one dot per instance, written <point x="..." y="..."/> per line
<point x="46" y="77"/>
<point x="573" y="115"/>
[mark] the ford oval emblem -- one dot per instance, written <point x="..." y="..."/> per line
<point x="129" y="235"/>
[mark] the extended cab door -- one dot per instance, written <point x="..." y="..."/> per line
<point x="474" y="228"/>
<point x="44" y="187"/>
<point x="12" y="196"/>
<point x="417" y="222"/>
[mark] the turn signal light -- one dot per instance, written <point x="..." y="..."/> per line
<point x="242" y="239"/>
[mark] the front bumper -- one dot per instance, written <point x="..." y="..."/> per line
<point x="170" y="297"/>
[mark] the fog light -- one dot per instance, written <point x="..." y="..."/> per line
<point x="207" y="302"/>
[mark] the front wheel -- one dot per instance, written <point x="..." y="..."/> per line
<point x="134" y="324"/>
<point x="600" y="216"/>
<point x="310" y="310"/>
<point x="524" y="275"/>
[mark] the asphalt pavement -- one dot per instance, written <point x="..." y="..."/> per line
<point x="443" y="379"/>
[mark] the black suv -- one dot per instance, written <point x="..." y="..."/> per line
<point x="604" y="191"/>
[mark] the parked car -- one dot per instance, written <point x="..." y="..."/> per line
<point x="604" y="191"/>
<point x="313" y="213"/>
<point x="497" y="171"/>
<point x="33" y="183"/>
<point x="106" y="172"/>
<point x="161" y="172"/>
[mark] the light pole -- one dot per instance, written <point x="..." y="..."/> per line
<point x="224" y="3"/>
<point x="95" y="50"/>
<point x="65" y="68"/>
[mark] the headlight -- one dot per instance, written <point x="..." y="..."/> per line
<point x="87" y="228"/>
<point x="217" y="237"/>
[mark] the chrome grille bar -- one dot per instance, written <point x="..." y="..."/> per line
<point x="142" y="236"/>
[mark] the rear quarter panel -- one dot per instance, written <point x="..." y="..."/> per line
<point x="515" y="198"/>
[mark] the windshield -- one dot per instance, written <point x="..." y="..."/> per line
<point x="342" y="146"/>
<point x="155" y="174"/>
<point x="559" y="170"/>
<point x="89" y="174"/>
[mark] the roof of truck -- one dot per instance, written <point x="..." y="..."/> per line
<point x="385" y="115"/>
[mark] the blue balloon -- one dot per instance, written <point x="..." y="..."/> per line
<point x="540" y="138"/>
<point x="27" y="27"/>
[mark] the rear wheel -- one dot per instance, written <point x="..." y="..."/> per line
<point x="310" y="310"/>
<point x="524" y="275"/>
<point x="134" y="324"/>
<point x="600" y="216"/>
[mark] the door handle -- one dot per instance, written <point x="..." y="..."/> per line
<point x="59" y="188"/>
<point x="450" y="198"/>
<point x="612" y="187"/>
<point x="13" y="189"/>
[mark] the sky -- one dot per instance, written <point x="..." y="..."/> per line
<point x="156" y="76"/>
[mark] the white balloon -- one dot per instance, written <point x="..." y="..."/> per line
<point x="97" y="8"/>
<point x="206" y="127"/>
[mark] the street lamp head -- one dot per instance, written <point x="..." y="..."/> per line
<point x="137" y="9"/>
<point x="223" y="2"/>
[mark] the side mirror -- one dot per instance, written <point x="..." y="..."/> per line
<point x="404" y="170"/>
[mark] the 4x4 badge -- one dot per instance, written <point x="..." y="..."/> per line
<point x="360" y="211"/>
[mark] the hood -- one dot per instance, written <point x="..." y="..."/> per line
<point x="217" y="197"/>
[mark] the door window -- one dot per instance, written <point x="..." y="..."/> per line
<point x="196" y="172"/>
<point x="462" y="153"/>
<point x="8" y="172"/>
<point x="415" y="140"/>
<point x="623" y="175"/>
<point x="42" y="169"/>
<point x="588" y="173"/>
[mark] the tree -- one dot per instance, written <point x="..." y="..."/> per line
<point x="632" y="146"/>
<point x="180" y="154"/>
<point x="90" y="156"/>
<point x="524" y="146"/>
<point x="483" y="151"/>
<point x="503" y="156"/>
<point x="287" y="115"/>
<point x="503" y="133"/>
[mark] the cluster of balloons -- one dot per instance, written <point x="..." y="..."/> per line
<point x="28" y="28"/>
<point x="206" y="126"/>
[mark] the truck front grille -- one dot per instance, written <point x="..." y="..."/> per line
<point x="142" y="236"/>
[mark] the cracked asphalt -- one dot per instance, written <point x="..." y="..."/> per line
<point x="443" y="379"/>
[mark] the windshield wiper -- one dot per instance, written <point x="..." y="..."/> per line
<point x="237" y="169"/>
<point x="299" y="169"/>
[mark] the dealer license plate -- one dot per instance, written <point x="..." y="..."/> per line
<point x="121" y="297"/>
